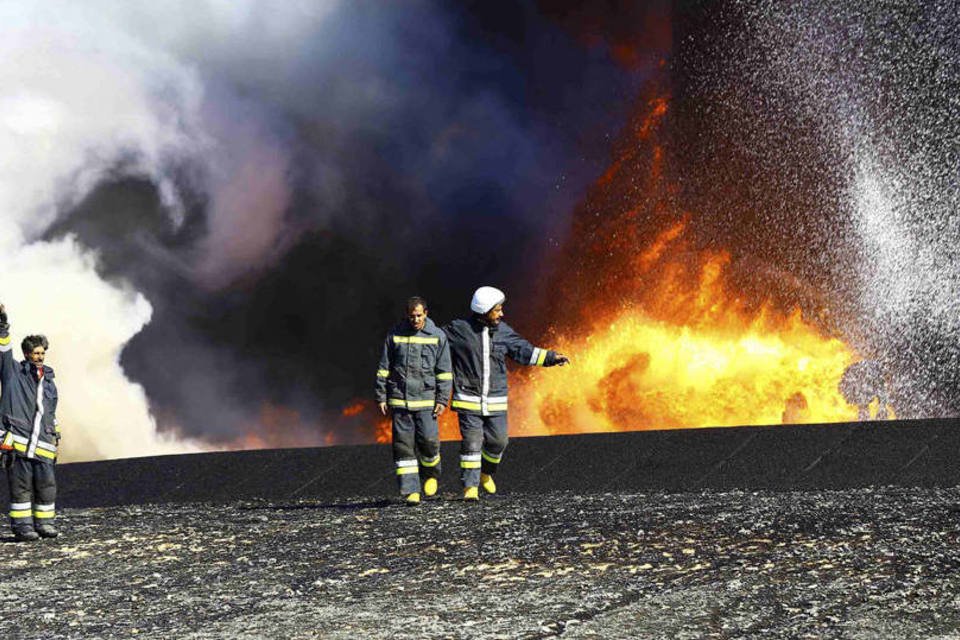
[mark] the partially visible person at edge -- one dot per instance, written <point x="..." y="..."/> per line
<point x="413" y="383"/>
<point x="479" y="346"/>
<point x="29" y="435"/>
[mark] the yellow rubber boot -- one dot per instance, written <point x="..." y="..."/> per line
<point x="430" y="487"/>
<point x="413" y="498"/>
<point x="471" y="494"/>
<point x="487" y="483"/>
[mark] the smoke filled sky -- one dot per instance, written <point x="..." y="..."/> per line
<point x="261" y="185"/>
<point x="216" y="209"/>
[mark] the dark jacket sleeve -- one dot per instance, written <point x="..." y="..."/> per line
<point x="6" y="373"/>
<point x="6" y="354"/>
<point x="383" y="372"/>
<point x="444" y="371"/>
<point x="523" y="352"/>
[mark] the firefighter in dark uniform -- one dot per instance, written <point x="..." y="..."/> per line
<point x="479" y="346"/>
<point x="413" y="383"/>
<point x="28" y="435"/>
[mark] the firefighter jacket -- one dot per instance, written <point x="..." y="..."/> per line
<point x="478" y="354"/>
<point x="28" y="406"/>
<point x="414" y="371"/>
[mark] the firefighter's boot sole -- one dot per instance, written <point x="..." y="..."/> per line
<point x="47" y="531"/>
<point x="28" y="535"/>
<point x="487" y="483"/>
<point x="430" y="487"/>
<point x="413" y="498"/>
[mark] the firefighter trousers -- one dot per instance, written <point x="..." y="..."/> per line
<point x="482" y="442"/>
<point x="33" y="491"/>
<point x="416" y="448"/>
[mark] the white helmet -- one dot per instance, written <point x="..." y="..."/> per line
<point x="486" y="298"/>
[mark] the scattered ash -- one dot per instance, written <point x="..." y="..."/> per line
<point x="855" y="564"/>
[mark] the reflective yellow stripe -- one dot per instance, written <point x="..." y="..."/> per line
<point x="542" y="357"/>
<point x="420" y="404"/>
<point x="415" y="340"/>
<point x="22" y="448"/>
<point x="46" y="454"/>
<point x="7" y="441"/>
<point x="476" y="406"/>
<point x="411" y="404"/>
<point x="5" y="341"/>
<point x="470" y="464"/>
<point x="430" y="463"/>
<point x="383" y="373"/>
<point x="44" y="514"/>
<point x="490" y="458"/>
<point x="445" y="376"/>
<point x="403" y="471"/>
<point x="20" y="514"/>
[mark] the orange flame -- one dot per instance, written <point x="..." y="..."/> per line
<point x="688" y="358"/>
<point x="658" y="337"/>
<point x="278" y="426"/>
<point x="384" y="432"/>
<point x="352" y="410"/>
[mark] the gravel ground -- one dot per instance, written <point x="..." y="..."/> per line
<point x="880" y="563"/>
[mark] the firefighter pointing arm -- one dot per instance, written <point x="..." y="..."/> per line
<point x="479" y="346"/>
<point x="28" y="434"/>
<point x="413" y="383"/>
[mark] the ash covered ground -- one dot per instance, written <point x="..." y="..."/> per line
<point x="861" y="563"/>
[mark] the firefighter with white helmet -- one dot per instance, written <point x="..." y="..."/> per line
<point x="479" y="346"/>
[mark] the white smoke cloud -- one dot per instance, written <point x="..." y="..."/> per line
<point x="52" y="288"/>
<point x="90" y="89"/>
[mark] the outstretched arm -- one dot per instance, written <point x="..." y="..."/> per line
<point x="6" y="349"/>
<point x="6" y="370"/>
<point x="525" y="353"/>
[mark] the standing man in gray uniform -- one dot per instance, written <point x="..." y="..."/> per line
<point x="28" y="435"/>
<point x="479" y="346"/>
<point x="413" y="382"/>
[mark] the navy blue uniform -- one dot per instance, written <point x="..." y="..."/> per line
<point x="413" y="376"/>
<point x="28" y="433"/>
<point x="478" y="354"/>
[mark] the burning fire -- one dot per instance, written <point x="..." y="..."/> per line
<point x="658" y="336"/>
<point x="687" y="357"/>
<point x="353" y="410"/>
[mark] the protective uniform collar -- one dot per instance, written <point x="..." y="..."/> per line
<point x="478" y="323"/>
<point x="27" y="367"/>
<point x="403" y="327"/>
